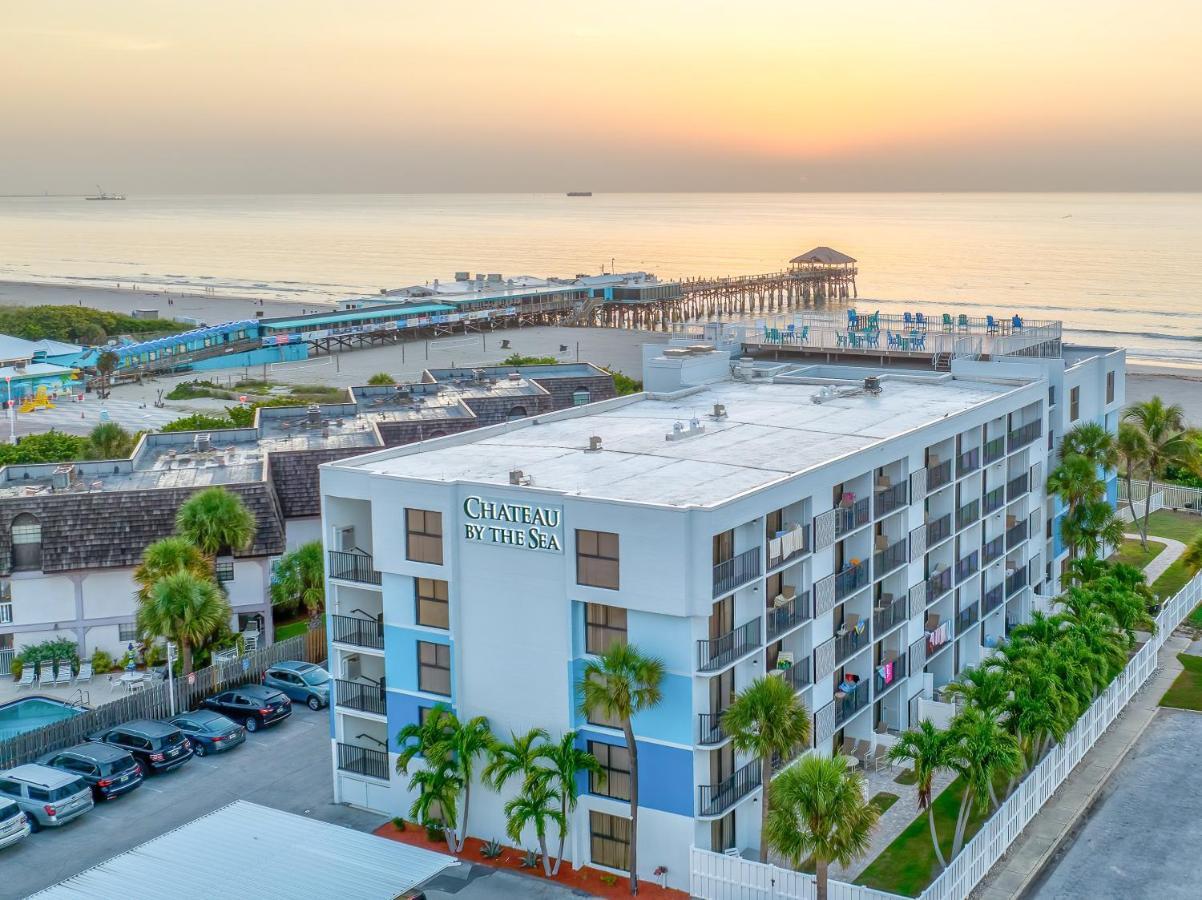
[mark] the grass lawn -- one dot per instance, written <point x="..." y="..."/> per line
<point x="1173" y="580"/>
<point x="908" y="864"/>
<point x="1131" y="553"/>
<point x="1176" y="525"/>
<point x="1186" y="691"/>
<point x="884" y="800"/>
<point x="291" y="629"/>
<point x="907" y="777"/>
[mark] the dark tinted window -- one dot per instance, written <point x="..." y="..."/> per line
<point x="8" y="809"/>
<point x="118" y="765"/>
<point x="172" y="739"/>
<point x="36" y="793"/>
<point x="10" y="787"/>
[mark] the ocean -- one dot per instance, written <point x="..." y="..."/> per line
<point x="1118" y="269"/>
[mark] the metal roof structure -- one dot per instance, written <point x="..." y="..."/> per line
<point x="354" y="315"/>
<point x="265" y="853"/>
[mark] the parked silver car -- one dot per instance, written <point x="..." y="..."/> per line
<point x="14" y="826"/>
<point x="49" y="797"/>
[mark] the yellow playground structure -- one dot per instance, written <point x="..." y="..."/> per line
<point x="40" y="400"/>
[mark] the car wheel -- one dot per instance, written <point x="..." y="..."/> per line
<point x="314" y="703"/>
<point x="199" y="749"/>
<point x="34" y="824"/>
<point x="252" y="724"/>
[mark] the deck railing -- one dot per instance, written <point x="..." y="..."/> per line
<point x="715" y="799"/>
<point x="1016" y="487"/>
<point x="1023" y="435"/>
<point x="938" y="475"/>
<point x="353" y="567"/>
<point x="992" y="599"/>
<point x="363" y="761"/>
<point x="709" y="729"/>
<point x="366" y="633"/>
<point x="995" y="449"/>
<point x="966" y="566"/>
<point x="995" y="499"/>
<point x="715" y="653"/>
<point x="939" y="584"/>
<point x="849" y="518"/>
<point x="887" y="617"/>
<point x="1015" y="581"/>
<point x="968" y="461"/>
<point x="1016" y="534"/>
<point x="781" y="618"/>
<point x="893" y="556"/>
<point x="851" y="703"/>
<point x="967" y="514"/>
<point x="890" y="499"/>
<point x="851" y="580"/>
<point x="735" y="572"/>
<point x="790" y="545"/>
<point x="939" y="529"/>
<point x="993" y="549"/>
<point x="356" y="695"/>
<point x="897" y="674"/>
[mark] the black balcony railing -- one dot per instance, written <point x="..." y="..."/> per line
<point x="966" y="618"/>
<point x="895" y="671"/>
<point x="717" y="652"/>
<point x="735" y="572"/>
<point x="939" y="529"/>
<point x="363" y="761"/>
<point x="968" y="461"/>
<point x="939" y="584"/>
<point x="938" y="475"/>
<point x="995" y="449"/>
<point x="1016" y="534"/>
<point x="888" y="500"/>
<point x="850" y="703"/>
<point x="798" y="545"/>
<point x="1015" y="581"/>
<point x="358" y="632"/>
<point x="967" y="566"/>
<point x="849" y="518"/>
<point x="715" y="799"/>
<point x="710" y="729"/>
<point x="1023" y="435"/>
<point x="849" y="644"/>
<point x="993" y="549"/>
<point x="353" y="567"/>
<point x="967" y="514"/>
<point x="781" y="618"/>
<point x="893" y="556"/>
<point x="992" y="599"/>
<point x="886" y="617"/>
<point x="798" y="674"/>
<point x="1016" y="487"/>
<point x="995" y="500"/>
<point x="364" y="697"/>
<point x="851" y="580"/>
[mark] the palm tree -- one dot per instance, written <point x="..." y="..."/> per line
<point x="185" y="609"/>
<point x="767" y="720"/>
<point x="108" y="440"/>
<point x="618" y="685"/>
<point x="166" y="557"/>
<point x="420" y="738"/>
<point x="1133" y="448"/>
<point x="1168" y="441"/>
<point x="564" y="762"/>
<point x="536" y="804"/>
<point x="982" y="750"/>
<point x="819" y="810"/>
<point x="518" y="758"/>
<point x="1192" y="558"/>
<point x="437" y="790"/>
<point x="106" y="364"/>
<point x="462" y="744"/>
<point x="438" y="783"/>
<point x="299" y="579"/>
<point x="928" y="749"/>
<point x="986" y="689"/>
<point x="1094" y="442"/>
<point x="216" y="521"/>
<point x="1091" y="526"/>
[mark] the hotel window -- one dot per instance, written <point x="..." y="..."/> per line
<point x="609" y="840"/>
<point x="613" y="780"/>
<point x="604" y="626"/>
<point x="597" y="559"/>
<point x="27" y="542"/>
<point x="1074" y="404"/>
<point x="432" y="606"/>
<point x="433" y="668"/>
<point x="224" y="570"/>
<point x="1110" y="387"/>
<point x="1052" y="395"/>
<point x="424" y="537"/>
<point x="722" y="833"/>
<point x="724" y="546"/>
<point x="127" y="632"/>
<point x="6" y="614"/>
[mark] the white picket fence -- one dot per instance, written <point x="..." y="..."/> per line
<point x="719" y="877"/>
<point x="1164" y="496"/>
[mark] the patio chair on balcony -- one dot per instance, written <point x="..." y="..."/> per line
<point x="85" y="672"/>
<point x="962" y="322"/>
<point x="907" y="319"/>
<point x="787" y="593"/>
<point x="948" y="324"/>
<point x="1016" y="323"/>
<point x="784" y="661"/>
<point x="804" y="336"/>
<point x="29" y="676"/>
<point x="992" y="326"/>
<point x="920" y="321"/>
<point x="918" y="341"/>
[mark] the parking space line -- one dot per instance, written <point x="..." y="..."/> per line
<point x="149" y="788"/>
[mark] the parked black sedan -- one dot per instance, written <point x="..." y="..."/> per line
<point x="157" y="746"/>
<point x="254" y="705"/>
<point x="209" y="732"/>
<point x="109" y="770"/>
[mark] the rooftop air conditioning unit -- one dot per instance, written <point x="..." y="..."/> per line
<point x="463" y="276"/>
<point x="594" y="444"/>
<point x="719" y="411"/>
<point x="518" y="477"/>
<point x="515" y="376"/>
<point x="680" y="431"/>
<point x="203" y="442"/>
<point x="313" y="414"/>
<point x="62" y="477"/>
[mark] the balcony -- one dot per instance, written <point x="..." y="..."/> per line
<point x="366" y="633"/>
<point x="797" y="675"/>
<point x="355" y="567"/>
<point x="938" y="530"/>
<point x="938" y="475"/>
<point x="1015" y="581"/>
<point x="896" y="672"/>
<point x="967" y="514"/>
<point x="993" y="550"/>
<point x="362" y="761"/>
<point x="710" y="729"/>
<point x="732" y="574"/>
<point x="1016" y="534"/>
<point x="885" y="618"/>
<point x="995" y="500"/>
<point x="851" y="580"/>
<point x="968" y="461"/>
<point x="849" y="644"/>
<point x="849" y="518"/>
<point x="716" y="799"/>
<point x="716" y="653"/>
<point x="966" y="566"/>
<point x="1016" y="487"/>
<point x="938" y="638"/>
<point x="992" y="599"/>
<point x="966" y="618"/>
<point x="995" y="449"/>
<point x="850" y="703"/>
<point x="790" y="613"/>
<point x="789" y="545"/>
<point x="938" y="585"/>
<point x="891" y="499"/>
<point x="367" y="698"/>
<point x="892" y="557"/>
<point x="1020" y="437"/>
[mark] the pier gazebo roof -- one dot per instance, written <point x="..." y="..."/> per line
<point x="825" y="256"/>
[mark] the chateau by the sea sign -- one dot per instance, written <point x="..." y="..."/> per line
<point x="506" y="524"/>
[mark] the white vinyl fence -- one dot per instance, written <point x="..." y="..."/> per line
<point x="719" y="877"/>
<point x="1164" y="496"/>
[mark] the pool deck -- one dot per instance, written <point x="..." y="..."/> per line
<point x="96" y="693"/>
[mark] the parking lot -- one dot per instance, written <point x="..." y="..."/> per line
<point x="286" y="766"/>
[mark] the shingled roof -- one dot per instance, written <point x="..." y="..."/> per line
<point x="296" y="480"/>
<point x="823" y="255"/>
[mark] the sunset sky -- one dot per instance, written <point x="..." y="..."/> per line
<point x="264" y="96"/>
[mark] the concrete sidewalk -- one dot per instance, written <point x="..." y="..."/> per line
<point x="1017" y="871"/>
<point x="1170" y="554"/>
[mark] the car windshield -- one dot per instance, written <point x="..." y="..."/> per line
<point x="316" y="677"/>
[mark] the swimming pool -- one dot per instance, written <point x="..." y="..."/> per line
<point x="31" y="713"/>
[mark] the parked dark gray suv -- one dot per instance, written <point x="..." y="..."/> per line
<point x="157" y="746"/>
<point x="109" y="770"/>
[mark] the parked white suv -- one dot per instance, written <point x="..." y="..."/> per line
<point x="13" y="824"/>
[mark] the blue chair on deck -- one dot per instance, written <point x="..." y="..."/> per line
<point x="789" y="331"/>
<point x="874" y="338"/>
<point x="920" y="321"/>
<point x="840" y="339"/>
<point x="1016" y="323"/>
<point x="907" y="319"/>
<point x="991" y="325"/>
<point x="918" y="341"/>
<point x="962" y="322"/>
<point x="804" y="337"/>
<point x="852" y="318"/>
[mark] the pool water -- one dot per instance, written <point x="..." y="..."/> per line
<point x="32" y="713"/>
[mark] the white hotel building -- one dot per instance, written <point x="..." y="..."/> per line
<point x="729" y="524"/>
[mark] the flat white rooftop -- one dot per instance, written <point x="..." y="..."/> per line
<point x="771" y="431"/>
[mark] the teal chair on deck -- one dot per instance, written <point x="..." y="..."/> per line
<point x="948" y="325"/>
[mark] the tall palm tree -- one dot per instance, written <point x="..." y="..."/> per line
<point x="463" y="744"/>
<point x="216" y="521"/>
<point x="421" y="738"/>
<point x="1133" y="448"/>
<point x="516" y="759"/>
<point x="819" y="810"/>
<point x="108" y="440"/>
<point x="536" y="804"/>
<point x="767" y="720"/>
<point x="106" y="364"/>
<point x="437" y="790"/>
<point x="1076" y="481"/>
<point x="185" y="609"/>
<point x="983" y="688"/>
<point x="564" y="761"/>
<point x="928" y="749"/>
<point x="166" y="557"/>
<point x="1090" y="527"/>
<point x="982" y="750"/>
<point x="299" y="579"/>
<point x="618" y="685"/>
<point x="1169" y="442"/>
<point x="1094" y="442"/>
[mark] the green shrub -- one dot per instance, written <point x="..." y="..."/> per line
<point x="199" y="422"/>
<point x="59" y="648"/>
<point x="79" y="324"/>
<point x="16" y="667"/>
<point x="155" y="655"/>
<point x="491" y="850"/>
<point x="624" y="384"/>
<point x="49" y="446"/>
<point x="435" y="832"/>
<point x="398" y="823"/>
<point x="381" y="378"/>
<point x="609" y="880"/>
<point x="517" y="359"/>
<point x="102" y="662"/>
